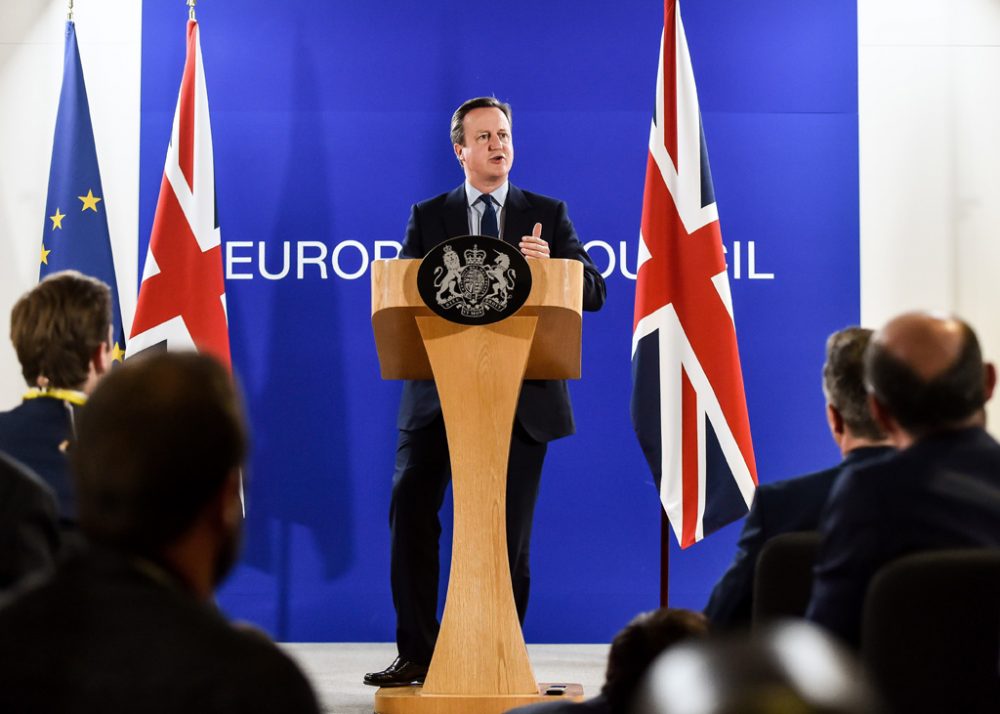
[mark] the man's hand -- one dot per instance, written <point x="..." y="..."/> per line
<point x="533" y="246"/>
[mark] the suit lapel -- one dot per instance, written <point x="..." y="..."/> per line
<point x="456" y="213"/>
<point x="519" y="216"/>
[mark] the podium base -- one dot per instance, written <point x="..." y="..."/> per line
<point x="412" y="700"/>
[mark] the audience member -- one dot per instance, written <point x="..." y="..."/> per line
<point x="29" y="537"/>
<point x="61" y="330"/>
<point x="128" y="624"/>
<point x="632" y="652"/>
<point x="928" y="386"/>
<point x="792" y="668"/>
<point x="796" y="504"/>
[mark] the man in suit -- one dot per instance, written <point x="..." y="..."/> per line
<point x="61" y="330"/>
<point x="796" y="504"/>
<point x="927" y="389"/>
<point x="487" y="204"/>
<point x="29" y="537"/>
<point x="128" y="623"/>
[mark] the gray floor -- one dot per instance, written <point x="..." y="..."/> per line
<point x="335" y="669"/>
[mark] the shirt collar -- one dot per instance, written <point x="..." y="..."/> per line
<point x="72" y="396"/>
<point x="499" y="195"/>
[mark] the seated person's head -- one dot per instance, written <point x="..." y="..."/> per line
<point x="61" y="330"/>
<point x="157" y="459"/>
<point x="639" y="643"/>
<point x="926" y="374"/>
<point x="793" y="668"/>
<point x="844" y="386"/>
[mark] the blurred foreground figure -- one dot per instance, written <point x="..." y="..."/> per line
<point x="793" y="668"/>
<point x="29" y="537"/>
<point x="128" y="623"/>
<point x="633" y="650"/>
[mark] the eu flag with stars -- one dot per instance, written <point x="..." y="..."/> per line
<point x="76" y="226"/>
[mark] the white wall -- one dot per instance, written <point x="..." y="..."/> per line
<point x="32" y="38"/>
<point x="929" y="106"/>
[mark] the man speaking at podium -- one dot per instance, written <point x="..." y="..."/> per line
<point x="485" y="204"/>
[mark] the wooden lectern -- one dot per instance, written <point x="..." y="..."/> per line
<point x="480" y="663"/>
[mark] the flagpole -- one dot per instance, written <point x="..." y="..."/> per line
<point x="190" y="4"/>
<point x="69" y="15"/>
<point x="664" y="558"/>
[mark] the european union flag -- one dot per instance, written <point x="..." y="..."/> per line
<point x="76" y="226"/>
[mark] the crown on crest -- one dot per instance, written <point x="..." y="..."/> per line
<point x="475" y="256"/>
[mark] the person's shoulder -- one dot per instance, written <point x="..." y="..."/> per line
<point x="971" y="440"/>
<point x="270" y="678"/>
<point x="873" y="473"/>
<point x="26" y="610"/>
<point x="536" y="199"/>
<point x="437" y="202"/>
<point x="791" y="488"/>
<point x="16" y="472"/>
<point x="245" y="662"/>
<point x="19" y="482"/>
<point x="34" y="413"/>
<point x="867" y="486"/>
<point x="12" y="416"/>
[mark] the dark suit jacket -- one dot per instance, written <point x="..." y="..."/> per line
<point x="32" y="433"/>
<point x="544" y="408"/>
<point x="941" y="492"/>
<point x="29" y="536"/>
<point x="111" y="634"/>
<point x="782" y="507"/>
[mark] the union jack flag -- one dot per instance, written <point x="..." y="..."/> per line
<point x="688" y="405"/>
<point x="182" y="298"/>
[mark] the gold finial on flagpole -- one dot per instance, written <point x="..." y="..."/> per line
<point x="69" y="15"/>
<point x="190" y="4"/>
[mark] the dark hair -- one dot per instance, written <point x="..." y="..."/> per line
<point x="639" y="643"/>
<point x="922" y="405"/>
<point x="458" y="118"/>
<point x="844" y="381"/>
<point x="155" y="443"/>
<point x="58" y="325"/>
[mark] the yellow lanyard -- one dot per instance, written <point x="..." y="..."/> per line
<point x="67" y="395"/>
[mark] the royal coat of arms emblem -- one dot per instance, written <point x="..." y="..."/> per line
<point x="474" y="280"/>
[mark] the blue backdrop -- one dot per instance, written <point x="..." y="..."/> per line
<point x="331" y="118"/>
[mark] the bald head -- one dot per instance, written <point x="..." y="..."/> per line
<point x="926" y="370"/>
<point x="928" y="344"/>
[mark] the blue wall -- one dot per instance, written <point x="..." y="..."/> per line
<point x="331" y="118"/>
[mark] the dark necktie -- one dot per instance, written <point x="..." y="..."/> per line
<point x="488" y="226"/>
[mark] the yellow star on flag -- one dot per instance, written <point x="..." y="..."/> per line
<point x="57" y="219"/>
<point x="89" y="201"/>
<point x="117" y="353"/>
<point x="45" y="254"/>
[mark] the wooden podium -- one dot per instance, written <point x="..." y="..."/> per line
<point x="480" y="663"/>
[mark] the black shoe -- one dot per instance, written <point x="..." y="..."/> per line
<point x="398" y="674"/>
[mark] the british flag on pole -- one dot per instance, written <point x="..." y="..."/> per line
<point x="182" y="298"/>
<point x="688" y="405"/>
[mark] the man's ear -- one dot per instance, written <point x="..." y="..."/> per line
<point x="835" y="419"/>
<point x="989" y="378"/>
<point x="231" y="501"/>
<point x="101" y="359"/>
<point x="882" y="416"/>
<point x="458" y="153"/>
